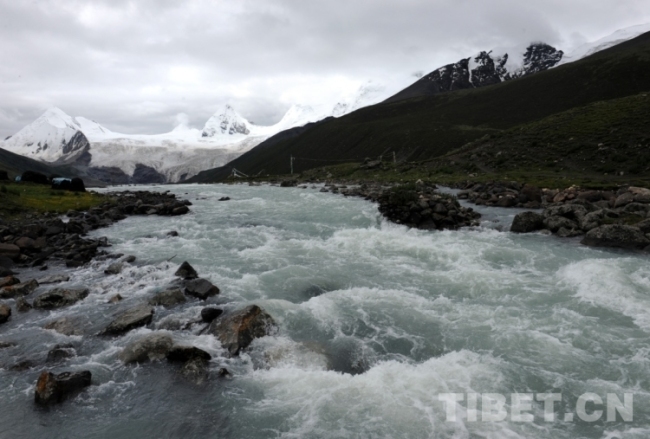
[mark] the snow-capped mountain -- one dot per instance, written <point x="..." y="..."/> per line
<point x="482" y="69"/>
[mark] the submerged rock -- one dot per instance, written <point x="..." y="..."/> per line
<point x="22" y="305"/>
<point x="153" y="346"/>
<point x="168" y="298"/>
<point x="140" y="315"/>
<point x="186" y="271"/>
<point x="54" y="279"/>
<point x="237" y="329"/>
<point x="195" y="370"/>
<point x="63" y="326"/>
<point x="616" y="235"/>
<point x="201" y="289"/>
<point x="116" y="298"/>
<point x="52" y="388"/>
<point x="60" y="297"/>
<point x="60" y="352"/>
<point x="115" y="268"/>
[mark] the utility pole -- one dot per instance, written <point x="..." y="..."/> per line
<point x="292" y="159"/>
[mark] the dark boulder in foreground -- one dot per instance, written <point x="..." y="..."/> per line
<point x="616" y="235"/>
<point x="186" y="271"/>
<point x="52" y="388"/>
<point x="201" y="289"/>
<point x="135" y="317"/>
<point x="527" y="222"/>
<point x="186" y="353"/>
<point x="60" y="297"/>
<point x="237" y="329"/>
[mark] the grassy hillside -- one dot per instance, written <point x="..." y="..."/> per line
<point x="425" y="128"/>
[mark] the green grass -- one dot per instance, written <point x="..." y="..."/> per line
<point x="20" y="198"/>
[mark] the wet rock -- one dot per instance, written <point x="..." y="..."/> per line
<point x="209" y="314"/>
<point x="289" y="183"/>
<point x="5" y="313"/>
<point x="6" y="344"/>
<point x="60" y="297"/>
<point x="527" y="222"/>
<point x="237" y="329"/>
<point x="555" y="223"/>
<point x="168" y="298"/>
<point x="22" y="365"/>
<point x="54" y="279"/>
<point x="10" y="251"/>
<point x="154" y="346"/>
<point x="8" y="281"/>
<point x="22" y="305"/>
<point x="224" y="199"/>
<point x="21" y="289"/>
<point x="200" y="288"/>
<point x="130" y="259"/>
<point x="63" y="326"/>
<point x="116" y="298"/>
<point x="173" y="233"/>
<point x="616" y="235"/>
<point x="223" y="372"/>
<point x="182" y="210"/>
<point x="115" y="268"/>
<point x="135" y="317"/>
<point x="185" y="353"/>
<point x="60" y="352"/>
<point x="52" y="388"/>
<point x="186" y="271"/>
<point x="569" y="233"/>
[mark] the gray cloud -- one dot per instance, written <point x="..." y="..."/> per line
<point x="135" y="65"/>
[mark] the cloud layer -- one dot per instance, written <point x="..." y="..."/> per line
<point x="134" y="66"/>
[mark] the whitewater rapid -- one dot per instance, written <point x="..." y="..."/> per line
<point x="375" y="322"/>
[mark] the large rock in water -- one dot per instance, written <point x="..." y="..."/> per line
<point x="153" y="346"/>
<point x="132" y="318"/>
<point x="200" y="288"/>
<point x="237" y="329"/>
<point x="63" y="326"/>
<point x="616" y="235"/>
<point x="527" y="222"/>
<point x="186" y="271"/>
<point x="59" y="297"/>
<point x="5" y="313"/>
<point x="168" y="298"/>
<point x="52" y="388"/>
<point x="16" y="290"/>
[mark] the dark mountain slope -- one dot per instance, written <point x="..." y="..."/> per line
<point x="429" y="127"/>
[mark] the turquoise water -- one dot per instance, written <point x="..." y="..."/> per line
<point x="375" y="322"/>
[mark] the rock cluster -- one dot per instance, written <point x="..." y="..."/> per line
<point x="604" y="219"/>
<point x="503" y="194"/>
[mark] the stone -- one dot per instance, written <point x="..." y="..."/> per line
<point x="21" y="289"/>
<point x="54" y="279"/>
<point x="555" y="223"/>
<point x="25" y="243"/>
<point x="186" y="271"/>
<point x="526" y="222"/>
<point x="569" y="233"/>
<point x="135" y="317"/>
<point x="130" y="259"/>
<point x="623" y="199"/>
<point x="168" y="298"/>
<point x="8" y="281"/>
<point x="116" y="298"/>
<point x="60" y="297"/>
<point x="63" y="326"/>
<point x="201" y="289"/>
<point x="209" y="314"/>
<point x="52" y="388"/>
<point x="616" y="235"/>
<point x="10" y="251"/>
<point x="5" y="313"/>
<point x="182" y="210"/>
<point x="224" y="199"/>
<point x="237" y="329"/>
<point x="60" y="352"/>
<point x="22" y="305"/>
<point x="172" y="233"/>
<point x="644" y="226"/>
<point x="154" y="346"/>
<point x="531" y="193"/>
<point x="115" y="268"/>
<point x="195" y="370"/>
<point x="185" y="353"/>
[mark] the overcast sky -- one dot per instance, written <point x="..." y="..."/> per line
<point x="135" y="66"/>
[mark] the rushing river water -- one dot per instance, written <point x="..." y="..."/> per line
<point x="376" y="321"/>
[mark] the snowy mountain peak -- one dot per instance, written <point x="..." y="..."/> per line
<point x="227" y="122"/>
<point x="539" y="57"/>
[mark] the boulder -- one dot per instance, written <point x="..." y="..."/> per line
<point x="531" y="193"/>
<point x="21" y="289"/>
<point x="168" y="298"/>
<point x="186" y="271"/>
<point x="5" y="313"/>
<point x="116" y="298"/>
<point x="644" y="226"/>
<point x="526" y="222"/>
<point x="200" y="288"/>
<point x="63" y="326"/>
<point x="60" y="297"/>
<point x="154" y="346"/>
<point x="555" y="223"/>
<point x="10" y="251"/>
<point x="115" y="268"/>
<point x="173" y="233"/>
<point x="25" y="243"/>
<point x="209" y="314"/>
<point x="616" y="235"/>
<point x="237" y="329"/>
<point x="52" y="388"/>
<point x="8" y="281"/>
<point x="130" y="259"/>
<point x="60" y="352"/>
<point x="185" y="353"/>
<point x="137" y="316"/>
<point x="22" y="305"/>
<point x="181" y="210"/>
<point x="623" y="199"/>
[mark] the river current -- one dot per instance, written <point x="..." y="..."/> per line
<point x="376" y="321"/>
